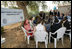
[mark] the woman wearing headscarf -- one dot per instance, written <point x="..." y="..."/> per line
<point x="28" y="27"/>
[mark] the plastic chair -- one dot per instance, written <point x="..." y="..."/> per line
<point x="41" y="37"/>
<point x="3" y="40"/>
<point x="26" y="36"/>
<point x="69" y="34"/>
<point x="60" y="32"/>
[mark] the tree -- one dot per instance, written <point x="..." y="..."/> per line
<point x="9" y="4"/>
<point x="32" y="5"/>
<point x="44" y="6"/>
<point x="23" y="5"/>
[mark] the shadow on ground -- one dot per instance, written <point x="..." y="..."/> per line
<point x="15" y="39"/>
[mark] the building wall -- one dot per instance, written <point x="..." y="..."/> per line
<point x="64" y="9"/>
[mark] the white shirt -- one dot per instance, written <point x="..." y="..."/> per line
<point x="40" y="27"/>
<point x="40" y="31"/>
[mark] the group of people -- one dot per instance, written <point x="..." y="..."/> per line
<point x="46" y="24"/>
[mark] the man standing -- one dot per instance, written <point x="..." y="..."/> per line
<point x="50" y="13"/>
<point x="58" y="13"/>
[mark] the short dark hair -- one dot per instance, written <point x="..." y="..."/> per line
<point x="42" y="22"/>
<point x="65" y="18"/>
<point x="62" y="14"/>
<point x="38" y="20"/>
<point x="56" y="20"/>
<point x="30" y="18"/>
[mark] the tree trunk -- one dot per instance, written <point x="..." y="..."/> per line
<point x="23" y="6"/>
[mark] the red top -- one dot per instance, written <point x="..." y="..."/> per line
<point x="27" y="27"/>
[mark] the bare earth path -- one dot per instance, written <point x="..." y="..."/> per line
<point x="15" y="39"/>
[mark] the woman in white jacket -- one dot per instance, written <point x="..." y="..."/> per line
<point x="40" y="28"/>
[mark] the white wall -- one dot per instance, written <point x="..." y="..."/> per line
<point x="64" y="9"/>
<point x="11" y="16"/>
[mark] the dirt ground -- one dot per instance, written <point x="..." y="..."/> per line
<point x="15" y="39"/>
